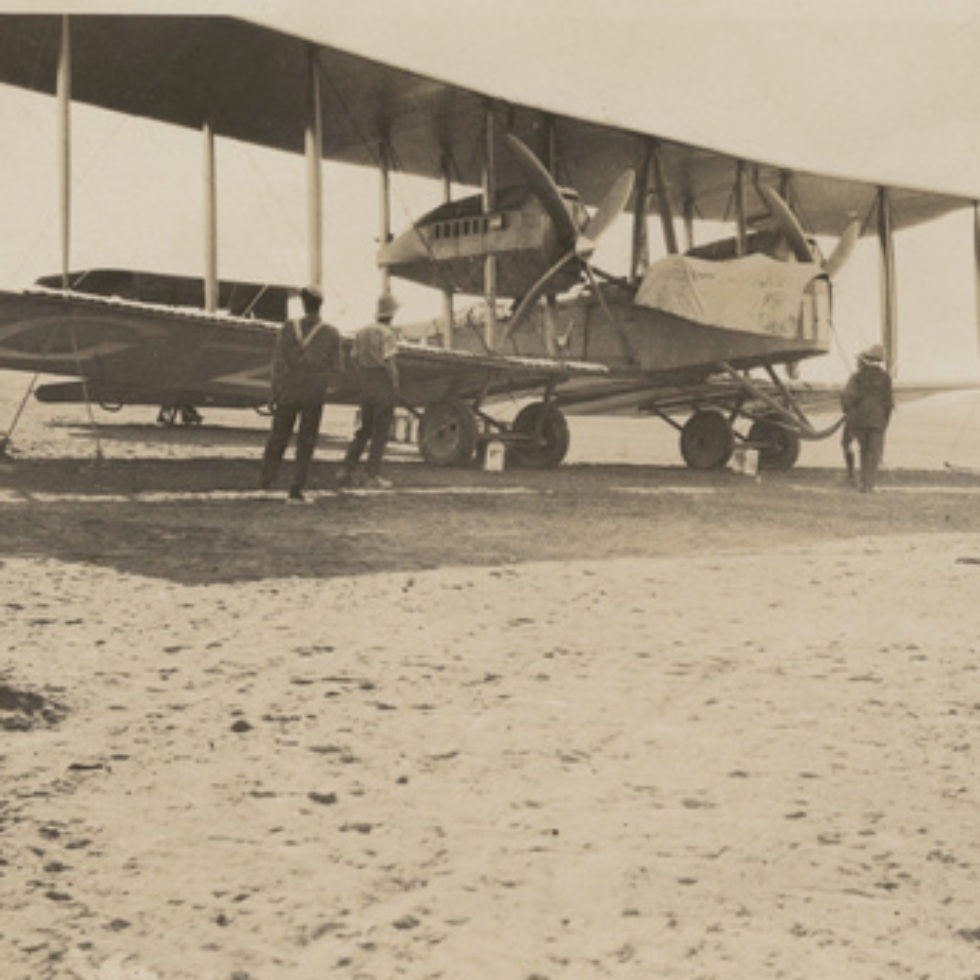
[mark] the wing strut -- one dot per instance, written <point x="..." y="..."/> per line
<point x="489" y="202"/>
<point x="688" y="223"/>
<point x="313" y="138"/>
<point x="447" y="294"/>
<point x="739" y="192"/>
<point x="889" y="311"/>
<point x="210" y="221"/>
<point x="64" y="142"/>
<point x="976" y="261"/>
<point x="640" y="253"/>
<point x="384" y="169"/>
<point x="663" y="202"/>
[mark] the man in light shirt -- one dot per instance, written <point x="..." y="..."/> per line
<point x="375" y="346"/>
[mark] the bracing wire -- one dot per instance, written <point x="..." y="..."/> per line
<point x="8" y="436"/>
<point x="85" y="393"/>
<point x="967" y="422"/>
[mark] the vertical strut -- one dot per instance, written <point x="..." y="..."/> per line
<point x="447" y="294"/>
<point x="689" y="222"/>
<point x="313" y="139"/>
<point x="551" y="154"/>
<point x="740" y="244"/>
<point x="663" y="202"/>
<point x="976" y="262"/>
<point x="210" y="221"/>
<point x="64" y="144"/>
<point x="640" y="253"/>
<point x="385" y="202"/>
<point x="490" y="263"/>
<point x="889" y="311"/>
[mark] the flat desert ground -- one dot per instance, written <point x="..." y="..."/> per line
<point x="614" y="720"/>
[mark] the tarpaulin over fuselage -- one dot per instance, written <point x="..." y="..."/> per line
<point x="754" y="293"/>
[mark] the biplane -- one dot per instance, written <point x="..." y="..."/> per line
<point x="674" y="336"/>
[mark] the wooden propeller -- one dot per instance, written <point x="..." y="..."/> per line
<point x="576" y="244"/>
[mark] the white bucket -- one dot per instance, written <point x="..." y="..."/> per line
<point x="746" y="461"/>
<point x="493" y="461"/>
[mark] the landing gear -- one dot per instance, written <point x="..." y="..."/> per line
<point x="448" y="433"/>
<point x="779" y="448"/>
<point x="707" y="440"/>
<point x="545" y="438"/>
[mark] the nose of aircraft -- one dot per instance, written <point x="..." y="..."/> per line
<point x="405" y="249"/>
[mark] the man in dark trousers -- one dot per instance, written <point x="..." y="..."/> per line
<point x="375" y="346"/>
<point x="307" y="353"/>
<point x="867" y="402"/>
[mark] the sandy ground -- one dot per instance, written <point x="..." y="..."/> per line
<point x="613" y="721"/>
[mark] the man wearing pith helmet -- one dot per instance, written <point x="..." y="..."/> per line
<point x="306" y="354"/>
<point x="375" y="347"/>
<point x="867" y="402"/>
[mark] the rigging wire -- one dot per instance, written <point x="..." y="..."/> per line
<point x="373" y="149"/>
<point x="6" y="438"/>
<point x="85" y="392"/>
<point x="961" y="431"/>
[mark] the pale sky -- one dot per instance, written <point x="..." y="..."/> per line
<point x="882" y="91"/>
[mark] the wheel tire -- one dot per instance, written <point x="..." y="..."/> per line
<point x="448" y="433"/>
<point x="707" y="441"/>
<point x="554" y="434"/>
<point x="780" y="448"/>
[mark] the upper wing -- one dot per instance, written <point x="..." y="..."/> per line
<point x="253" y="83"/>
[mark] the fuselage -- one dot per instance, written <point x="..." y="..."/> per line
<point x="685" y="317"/>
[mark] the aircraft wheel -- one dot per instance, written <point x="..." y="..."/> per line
<point x="167" y="416"/>
<point x="447" y="433"/>
<point x="554" y="438"/>
<point x="707" y="440"/>
<point x="780" y="448"/>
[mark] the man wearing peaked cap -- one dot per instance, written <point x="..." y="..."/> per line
<point x="375" y="347"/>
<point x="867" y="402"/>
<point x="306" y="354"/>
<point x="312" y="295"/>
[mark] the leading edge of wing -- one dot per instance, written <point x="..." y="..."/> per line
<point x="441" y="358"/>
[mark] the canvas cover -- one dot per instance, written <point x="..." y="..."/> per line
<point x="754" y="294"/>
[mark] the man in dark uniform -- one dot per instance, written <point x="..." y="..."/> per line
<point x="867" y="402"/>
<point x="375" y="346"/>
<point x="307" y="353"/>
